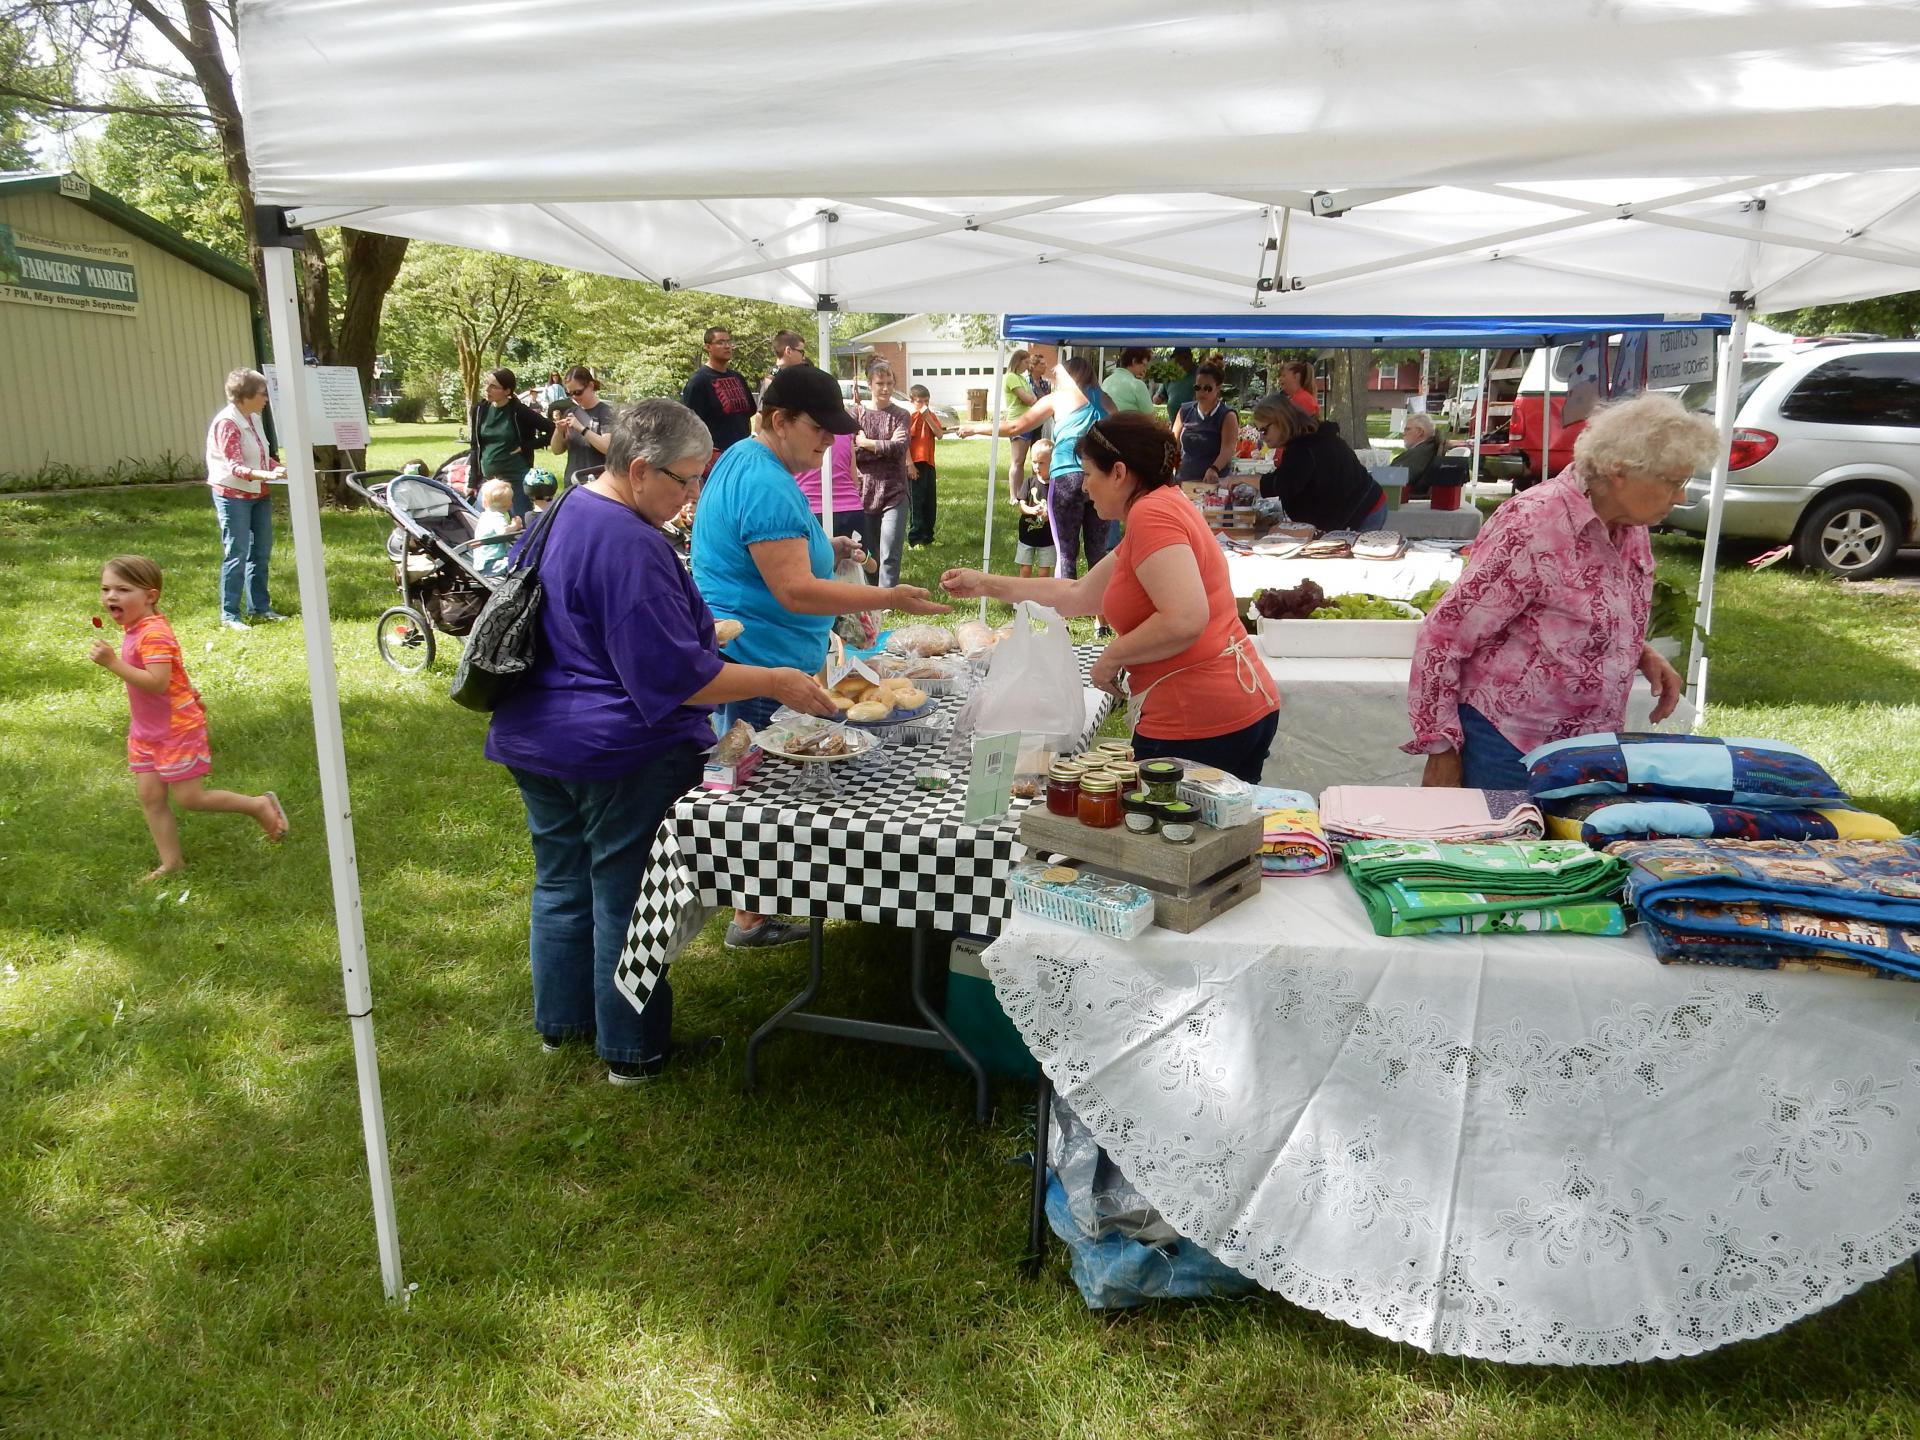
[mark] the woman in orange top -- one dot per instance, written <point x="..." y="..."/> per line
<point x="1195" y="687"/>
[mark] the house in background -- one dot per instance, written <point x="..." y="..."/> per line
<point x="923" y="350"/>
<point x="94" y="294"/>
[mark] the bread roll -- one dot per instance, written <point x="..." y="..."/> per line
<point x="725" y="630"/>
<point x="854" y="686"/>
<point x="909" y="698"/>
<point x="868" y="711"/>
<point x="842" y="704"/>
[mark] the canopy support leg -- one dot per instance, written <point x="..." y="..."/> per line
<point x="323" y="686"/>
<point x="1726" y="406"/>
<point x="994" y="400"/>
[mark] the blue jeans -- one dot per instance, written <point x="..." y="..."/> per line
<point x="1376" y="518"/>
<point x="1488" y="760"/>
<point x="1241" y="753"/>
<point x="246" y="545"/>
<point x="883" y="534"/>
<point x="592" y="840"/>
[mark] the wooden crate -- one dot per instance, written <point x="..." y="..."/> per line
<point x="1191" y="884"/>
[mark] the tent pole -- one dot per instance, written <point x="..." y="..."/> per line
<point x="1546" y="413"/>
<point x="825" y="347"/>
<point x="1726" y="405"/>
<point x="823" y="321"/>
<point x="323" y="686"/>
<point x="994" y="400"/>
<point x="1477" y="418"/>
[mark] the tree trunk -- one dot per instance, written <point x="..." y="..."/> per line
<point x="1347" y="397"/>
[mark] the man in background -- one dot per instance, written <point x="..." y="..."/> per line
<point x="719" y="394"/>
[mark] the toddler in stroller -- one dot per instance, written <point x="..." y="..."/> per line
<point x="495" y="529"/>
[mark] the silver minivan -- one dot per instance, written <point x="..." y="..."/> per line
<point x="1826" y="454"/>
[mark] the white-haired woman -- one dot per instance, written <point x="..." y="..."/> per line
<point x="1419" y="448"/>
<point x="239" y="465"/>
<point x="1542" y="636"/>
<point x="612" y="724"/>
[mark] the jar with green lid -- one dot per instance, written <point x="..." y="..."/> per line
<point x="1099" y="802"/>
<point x="1140" y="815"/>
<point x="1177" y="821"/>
<point x="1161" y="778"/>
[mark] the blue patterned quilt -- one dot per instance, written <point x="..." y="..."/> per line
<point x="1706" y="768"/>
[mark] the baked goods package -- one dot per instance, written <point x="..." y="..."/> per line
<point x="732" y="763"/>
<point x="920" y="640"/>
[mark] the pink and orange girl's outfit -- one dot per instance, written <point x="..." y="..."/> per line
<point x="168" y="734"/>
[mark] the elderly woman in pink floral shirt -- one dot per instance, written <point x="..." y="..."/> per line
<point x="1544" y="633"/>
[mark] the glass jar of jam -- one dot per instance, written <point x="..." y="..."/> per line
<point x="1099" y="802"/>
<point x="1126" y="772"/>
<point x="1063" y="791"/>
<point x="1115" y="749"/>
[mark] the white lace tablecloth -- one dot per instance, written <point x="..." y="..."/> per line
<point x="1540" y="1149"/>
<point x="1400" y="579"/>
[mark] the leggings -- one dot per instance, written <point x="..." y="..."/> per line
<point x="1074" y="520"/>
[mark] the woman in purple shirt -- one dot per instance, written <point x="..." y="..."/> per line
<point x="612" y="724"/>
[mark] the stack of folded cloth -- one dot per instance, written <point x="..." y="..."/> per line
<point x="1379" y="545"/>
<point x="1292" y="841"/>
<point x="1334" y="545"/>
<point x="1607" y="787"/>
<point x="1413" y="812"/>
<point x="1850" y="905"/>
<point x="1418" y="887"/>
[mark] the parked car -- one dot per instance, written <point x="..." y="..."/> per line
<point x="1826" y="454"/>
<point x="1460" y="408"/>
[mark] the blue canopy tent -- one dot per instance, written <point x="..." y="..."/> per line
<point x="1270" y="330"/>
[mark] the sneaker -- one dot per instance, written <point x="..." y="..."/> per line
<point x="269" y="615"/>
<point x="628" y="1072"/>
<point x="553" y="1045"/>
<point x="765" y="935"/>
<point x="234" y="622"/>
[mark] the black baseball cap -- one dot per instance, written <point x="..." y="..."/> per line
<point x="810" y="390"/>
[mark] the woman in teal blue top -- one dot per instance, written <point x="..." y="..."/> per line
<point x="759" y="554"/>
<point x="1074" y="404"/>
<point x="760" y="557"/>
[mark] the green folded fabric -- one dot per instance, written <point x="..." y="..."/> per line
<point x="1422" y="887"/>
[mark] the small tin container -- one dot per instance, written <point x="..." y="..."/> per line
<point x="932" y="778"/>
<point x="1139" y="813"/>
<point x="1161" y="778"/>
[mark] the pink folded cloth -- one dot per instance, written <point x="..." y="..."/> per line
<point x="1414" y="812"/>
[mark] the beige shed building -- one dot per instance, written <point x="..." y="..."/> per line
<point x="99" y="299"/>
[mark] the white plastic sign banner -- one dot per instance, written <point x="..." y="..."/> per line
<point x="1678" y="357"/>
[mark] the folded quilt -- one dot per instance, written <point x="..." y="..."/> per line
<point x="1775" y="902"/>
<point x="1418" y="887"/>
<point x="1379" y="545"/>
<point x="1414" y="812"/>
<point x="1292" y="841"/>
<point x="1603" y="819"/>
<point x="1705" y="768"/>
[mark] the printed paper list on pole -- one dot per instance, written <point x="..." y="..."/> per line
<point x="334" y="401"/>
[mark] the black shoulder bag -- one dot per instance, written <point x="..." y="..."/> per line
<point x="500" y="648"/>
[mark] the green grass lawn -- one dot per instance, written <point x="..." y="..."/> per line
<point x="185" y="1239"/>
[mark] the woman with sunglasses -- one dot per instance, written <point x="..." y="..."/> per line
<point x="1207" y="428"/>
<point x="1194" y="686"/>
<point x="504" y="437"/>
<point x="612" y="725"/>
<point x="580" y="432"/>
<point x="760" y="557"/>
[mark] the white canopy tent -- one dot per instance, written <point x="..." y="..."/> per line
<point x="1383" y="157"/>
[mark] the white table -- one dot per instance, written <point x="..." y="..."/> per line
<point x="1418" y="520"/>
<point x="1400" y="579"/>
<point x="1540" y="1149"/>
<point x="1342" y="722"/>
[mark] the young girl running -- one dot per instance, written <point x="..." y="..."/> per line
<point x="167" y="741"/>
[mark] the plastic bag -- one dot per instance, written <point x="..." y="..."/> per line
<point x="1034" y="686"/>
<point x="858" y="628"/>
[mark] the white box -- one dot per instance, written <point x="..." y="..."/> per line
<point x="1345" y="639"/>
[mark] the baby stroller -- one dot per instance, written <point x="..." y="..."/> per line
<point x="430" y="545"/>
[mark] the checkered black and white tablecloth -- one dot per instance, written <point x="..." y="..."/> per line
<point x="879" y="851"/>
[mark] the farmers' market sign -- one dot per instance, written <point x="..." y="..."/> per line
<point x="98" y="278"/>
